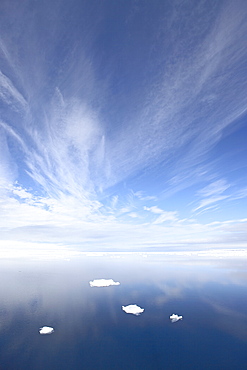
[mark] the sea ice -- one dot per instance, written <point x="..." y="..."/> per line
<point x="103" y="283"/>
<point x="175" y="318"/>
<point x="46" y="330"/>
<point x="133" y="308"/>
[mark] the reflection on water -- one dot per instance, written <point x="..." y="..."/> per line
<point x="91" y="331"/>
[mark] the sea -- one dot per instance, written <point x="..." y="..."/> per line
<point x="91" y="329"/>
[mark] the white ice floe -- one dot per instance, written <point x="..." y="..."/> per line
<point x="103" y="282"/>
<point x="46" y="330"/>
<point x="133" y="308"/>
<point x="175" y="318"/>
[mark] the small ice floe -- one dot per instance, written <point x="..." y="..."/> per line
<point x="103" y="282"/>
<point x="46" y="330"/>
<point x="175" y="318"/>
<point x="133" y="308"/>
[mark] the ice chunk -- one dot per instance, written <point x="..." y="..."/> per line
<point x="46" y="330"/>
<point x="133" y="308"/>
<point x="103" y="282"/>
<point x="175" y="318"/>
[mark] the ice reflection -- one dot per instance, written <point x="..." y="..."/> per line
<point x="210" y="293"/>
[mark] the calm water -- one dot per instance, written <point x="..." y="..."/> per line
<point x="93" y="332"/>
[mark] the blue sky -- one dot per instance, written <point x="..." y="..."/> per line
<point x="123" y="124"/>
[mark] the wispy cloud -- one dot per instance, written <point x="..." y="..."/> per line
<point x="10" y="95"/>
<point x="216" y="192"/>
<point x="82" y="117"/>
<point x="153" y="209"/>
<point x="212" y="194"/>
<point x="163" y="215"/>
<point x="206" y="202"/>
<point x="142" y="196"/>
<point x="87" y="225"/>
<point x="77" y="144"/>
<point x="239" y="194"/>
<point x="215" y="188"/>
<point x="133" y="215"/>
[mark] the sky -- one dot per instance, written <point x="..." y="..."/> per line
<point x="123" y="125"/>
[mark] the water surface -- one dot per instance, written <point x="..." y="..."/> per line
<point x="93" y="332"/>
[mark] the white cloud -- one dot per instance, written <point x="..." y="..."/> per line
<point x="175" y="318"/>
<point x="166" y="216"/>
<point x="133" y="215"/>
<point x="46" y="330"/>
<point x="142" y="196"/>
<point x="163" y="215"/>
<point x="103" y="283"/>
<point x="22" y="193"/>
<point x="86" y="224"/>
<point x="72" y="152"/>
<point x="153" y="209"/>
<point x="133" y="309"/>
<point x="125" y="209"/>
